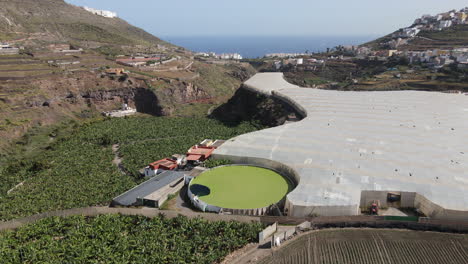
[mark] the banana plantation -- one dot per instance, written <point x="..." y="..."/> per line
<point x="76" y="170"/>
<point x="125" y="239"/>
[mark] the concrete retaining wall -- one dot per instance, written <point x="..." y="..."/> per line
<point x="305" y="211"/>
<point x="267" y="232"/>
<point x="201" y="205"/>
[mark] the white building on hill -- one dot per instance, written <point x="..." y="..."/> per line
<point x="103" y="13"/>
<point x="445" y="24"/>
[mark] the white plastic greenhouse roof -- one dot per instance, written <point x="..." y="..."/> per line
<point x="353" y="141"/>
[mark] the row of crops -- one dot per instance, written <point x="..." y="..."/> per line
<point x="370" y="246"/>
<point x="124" y="239"/>
<point x="77" y="170"/>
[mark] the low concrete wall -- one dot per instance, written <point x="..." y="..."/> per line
<point x="267" y="232"/>
<point x="201" y="205"/>
<point x="307" y="211"/>
<point x="435" y="211"/>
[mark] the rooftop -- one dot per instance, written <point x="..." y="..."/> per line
<point x="147" y="188"/>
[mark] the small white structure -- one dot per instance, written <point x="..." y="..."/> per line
<point x="6" y="49"/>
<point x="230" y="56"/>
<point x="445" y="24"/>
<point x="150" y="172"/>
<point x="300" y="61"/>
<point x="463" y="59"/>
<point x="409" y="32"/>
<point x="104" y="13"/>
<point x="125" y="111"/>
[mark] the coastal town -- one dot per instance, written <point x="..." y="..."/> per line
<point x="421" y="56"/>
<point x="433" y="58"/>
<point x="223" y="56"/>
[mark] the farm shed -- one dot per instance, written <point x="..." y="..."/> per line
<point x="159" y="166"/>
<point x="199" y="153"/>
<point x="152" y="192"/>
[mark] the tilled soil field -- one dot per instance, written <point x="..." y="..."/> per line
<point x="373" y="246"/>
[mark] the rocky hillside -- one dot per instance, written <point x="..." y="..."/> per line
<point x="42" y="86"/>
<point x="51" y="21"/>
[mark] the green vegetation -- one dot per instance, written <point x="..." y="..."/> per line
<point x="211" y="163"/>
<point x="193" y="109"/>
<point x="315" y="81"/>
<point x="456" y="35"/>
<point x="125" y="239"/>
<point x="170" y="200"/>
<point x="240" y="187"/>
<point x="88" y="32"/>
<point x="76" y="170"/>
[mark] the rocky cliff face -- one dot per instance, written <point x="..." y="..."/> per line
<point x="249" y="106"/>
<point x="47" y="100"/>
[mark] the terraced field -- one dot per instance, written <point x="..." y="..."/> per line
<point x="369" y="246"/>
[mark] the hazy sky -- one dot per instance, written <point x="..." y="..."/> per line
<point x="271" y="17"/>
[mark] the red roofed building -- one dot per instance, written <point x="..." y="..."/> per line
<point x="157" y="166"/>
<point x="199" y="153"/>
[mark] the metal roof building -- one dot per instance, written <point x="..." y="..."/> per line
<point x="355" y="147"/>
<point x="148" y="190"/>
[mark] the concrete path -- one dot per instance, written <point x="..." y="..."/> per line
<point x="148" y="212"/>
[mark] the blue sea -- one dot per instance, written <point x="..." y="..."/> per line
<point x="253" y="47"/>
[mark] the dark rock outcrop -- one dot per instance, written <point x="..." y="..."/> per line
<point x="246" y="105"/>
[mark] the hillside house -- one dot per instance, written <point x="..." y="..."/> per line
<point x="115" y="71"/>
<point x="103" y="13"/>
<point x="444" y="24"/>
<point x="230" y="56"/>
<point x="159" y="166"/>
<point x="58" y="47"/>
<point x="199" y="153"/>
<point x="6" y="49"/>
<point x="461" y="18"/>
<point x="395" y="43"/>
<point x="407" y="32"/>
<point x="138" y="61"/>
<point x="463" y="59"/>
